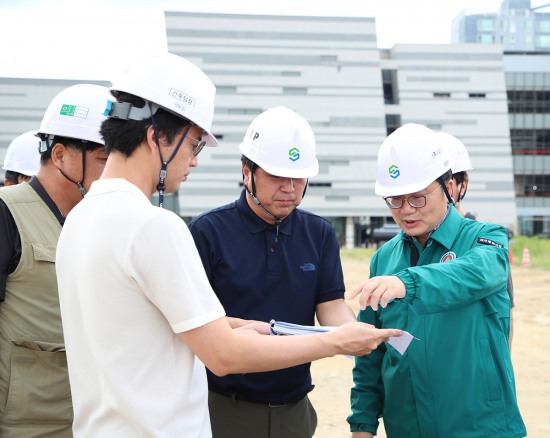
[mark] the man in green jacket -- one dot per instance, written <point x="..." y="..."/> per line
<point x="443" y="279"/>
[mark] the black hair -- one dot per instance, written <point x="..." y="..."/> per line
<point x="70" y="143"/>
<point x="12" y="176"/>
<point x="249" y="163"/>
<point x="461" y="177"/>
<point x="126" y="135"/>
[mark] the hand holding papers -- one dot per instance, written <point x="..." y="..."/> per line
<point x="400" y="343"/>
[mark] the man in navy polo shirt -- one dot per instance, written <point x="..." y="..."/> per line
<point x="266" y="259"/>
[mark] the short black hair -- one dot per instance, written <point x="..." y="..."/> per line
<point x="70" y="143"/>
<point x="249" y="163"/>
<point x="12" y="176"/>
<point x="126" y="135"/>
<point x="461" y="177"/>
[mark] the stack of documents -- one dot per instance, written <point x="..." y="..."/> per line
<point x="400" y="343"/>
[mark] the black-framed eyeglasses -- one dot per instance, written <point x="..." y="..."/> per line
<point x="199" y="146"/>
<point x="416" y="201"/>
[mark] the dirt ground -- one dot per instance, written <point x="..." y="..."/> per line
<point x="530" y="356"/>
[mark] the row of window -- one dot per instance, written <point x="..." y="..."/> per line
<point x="490" y="25"/>
<point x="530" y="141"/>
<point x="541" y="41"/>
<point x="532" y="185"/>
<point x="528" y="101"/>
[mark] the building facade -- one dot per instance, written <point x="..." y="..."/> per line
<point x="517" y="26"/>
<point x="528" y="86"/>
<point x="524" y="33"/>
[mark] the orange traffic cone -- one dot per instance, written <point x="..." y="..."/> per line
<point x="511" y="256"/>
<point x="525" y="259"/>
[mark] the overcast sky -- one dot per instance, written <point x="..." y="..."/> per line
<point x="96" y="39"/>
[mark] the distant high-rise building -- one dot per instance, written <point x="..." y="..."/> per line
<point x="523" y="31"/>
<point x="517" y="26"/>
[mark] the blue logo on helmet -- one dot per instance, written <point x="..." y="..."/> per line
<point x="394" y="171"/>
<point x="294" y="154"/>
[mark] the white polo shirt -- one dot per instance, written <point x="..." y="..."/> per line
<point x="130" y="279"/>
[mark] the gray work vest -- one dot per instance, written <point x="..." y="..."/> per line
<point x="35" y="398"/>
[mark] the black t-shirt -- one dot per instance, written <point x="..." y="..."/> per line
<point x="10" y="240"/>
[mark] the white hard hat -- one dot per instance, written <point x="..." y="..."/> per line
<point x="457" y="150"/>
<point x="409" y="160"/>
<point x="22" y="155"/>
<point x="173" y="83"/>
<point x="282" y="143"/>
<point x="76" y="112"/>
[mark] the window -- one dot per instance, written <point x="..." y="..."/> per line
<point x="543" y="40"/>
<point x="485" y="24"/>
<point x="530" y="141"/>
<point x="393" y="121"/>
<point x="486" y="38"/>
<point x="294" y="90"/>
<point x="442" y="95"/>
<point x="477" y="95"/>
<point x="532" y="185"/>
<point x="389" y="85"/>
<point x="543" y="26"/>
<point x="291" y="73"/>
<point x="528" y="101"/>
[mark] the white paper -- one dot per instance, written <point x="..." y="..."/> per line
<point x="400" y="343"/>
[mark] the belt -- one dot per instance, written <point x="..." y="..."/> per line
<point x="233" y="395"/>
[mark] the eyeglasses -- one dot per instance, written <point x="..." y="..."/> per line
<point x="198" y="147"/>
<point x="416" y="201"/>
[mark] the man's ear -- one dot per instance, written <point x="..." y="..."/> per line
<point x="59" y="152"/>
<point x="450" y="186"/>
<point x="152" y="139"/>
<point x="246" y="173"/>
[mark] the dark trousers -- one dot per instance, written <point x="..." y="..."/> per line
<point x="233" y="418"/>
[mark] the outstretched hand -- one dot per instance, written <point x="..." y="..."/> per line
<point x="378" y="290"/>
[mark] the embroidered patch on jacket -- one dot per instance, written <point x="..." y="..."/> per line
<point x="485" y="241"/>
<point x="447" y="257"/>
<point x="307" y="267"/>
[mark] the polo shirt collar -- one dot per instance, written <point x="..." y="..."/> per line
<point x="107" y="185"/>
<point x="256" y="224"/>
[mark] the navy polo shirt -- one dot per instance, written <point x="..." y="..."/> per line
<point x="259" y="275"/>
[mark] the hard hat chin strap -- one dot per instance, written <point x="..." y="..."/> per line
<point x="449" y="197"/>
<point x="161" y="187"/>
<point x="277" y="220"/>
<point x="79" y="184"/>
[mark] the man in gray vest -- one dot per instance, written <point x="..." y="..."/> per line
<point x="35" y="398"/>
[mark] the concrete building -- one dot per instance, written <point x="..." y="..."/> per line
<point x="517" y="26"/>
<point x="327" y="69"/>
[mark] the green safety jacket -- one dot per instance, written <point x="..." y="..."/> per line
<point x="35" y="397"/>
<point x="457" y="379"/>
